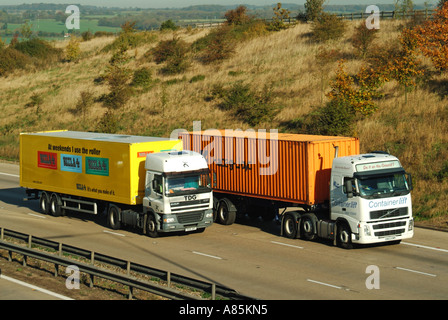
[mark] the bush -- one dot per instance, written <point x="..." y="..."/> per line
<point x="11" y="59"/>
<point x="72" y="51"/>
<point x="39" y="49"/>
<point x="328" y="27"/>
<point x="142" y="78"/>
<point x="85" y="102"/>
<point x="334" y="119"/>
<point x="237" y="16"/>
<point x="363" y="38"/>
<point x="220" y="47"/>
<point x="168" y="25"/>
<point x="175" y="53"/>
<point x="249" y="106"/>
<point x="87" y="35"/>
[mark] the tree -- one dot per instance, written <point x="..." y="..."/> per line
<point x="313" y="9"/>
<point x="363" y="38"/>
<point x="328" y="27"/>
<point x="72" y="51"/>
<point x="280" y="14"/>
<point x="432" y="38"/>
<point x="237" y="16"/>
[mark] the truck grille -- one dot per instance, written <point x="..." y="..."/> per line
<point x="389" y="213"/>
<point x="389" y="228"/>
<point x="190" y="217"/>
<point x="389" y="232"/>
<point x="191" y="206"/>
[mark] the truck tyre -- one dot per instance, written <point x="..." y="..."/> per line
<point x="151" y="226"/>
<point x="44" y="203"/>
<point x="344" y="236"/>
<point x="308" y="226"/>
<point x="225" y="216"/>
<point x="55" y="205"/>
<point x="289" y="226"/>
<point x="113" y="217"/>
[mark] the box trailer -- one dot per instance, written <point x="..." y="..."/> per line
<point x="258" y="173"/>
<point x="95" y="172"/>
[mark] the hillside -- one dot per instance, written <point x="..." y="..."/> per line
<point x="277" y="70"/>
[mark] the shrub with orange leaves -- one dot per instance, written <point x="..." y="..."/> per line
<point x="359" y="94"/>
<point x="432" y="38"/>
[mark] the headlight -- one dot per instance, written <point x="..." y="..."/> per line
<point x="411" y="225"/>
<point x="367" y="230"/>
<point x="169" y="220"/>
<point x="209" y="215"/>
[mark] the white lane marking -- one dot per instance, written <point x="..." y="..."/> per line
<point x="54" y="294"/>
<point x="114" y="233"/>
<point x="326" y="284"/>
<point x="10" y="175"/>
<point x="286" y="244"/>
<point x="415" y="271"/>
<point x="207" y="255"/>
<point x="38" y="216"/>
<point x="425" y="247"/>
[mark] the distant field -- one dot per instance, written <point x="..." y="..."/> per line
<point x="50" y="25"/>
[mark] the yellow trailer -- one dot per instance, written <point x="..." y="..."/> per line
<point x="145" y="182"/>
<point x="92" y="165"/>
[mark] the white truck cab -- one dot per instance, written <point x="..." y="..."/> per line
<point x="178" y="195"/>
<point x="370" y="196"/>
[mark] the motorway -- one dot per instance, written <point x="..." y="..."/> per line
<point x="250" y="256"/>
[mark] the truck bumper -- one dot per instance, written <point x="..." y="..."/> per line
<point x="378" y="232"/>
<point x="186" y="221"/>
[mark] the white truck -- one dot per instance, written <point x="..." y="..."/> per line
<point x="370" y="202"/>
<point x="144" y="182"/>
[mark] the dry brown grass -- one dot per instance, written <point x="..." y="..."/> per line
<point x="416" y="131"/>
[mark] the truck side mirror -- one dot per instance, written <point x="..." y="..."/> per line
<point x="409" y="180"/>
<point x="349" y="188"/>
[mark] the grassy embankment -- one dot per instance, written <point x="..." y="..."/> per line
<point x="285" y="62"/>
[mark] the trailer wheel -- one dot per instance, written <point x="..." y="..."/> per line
<point x="344" y="236"/>
<point x="113" y="217"/>
<point x="308" y="226"/>
<point x="225" y="216"/>
<point x="151" y="226"/>
<point x="289" y="226"/>
<point x="55" y="205"/>
<point x="44" y="203"/>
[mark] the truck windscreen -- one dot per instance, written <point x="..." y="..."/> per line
<point x="187" y="184"/>
<point x="383" y="186"/>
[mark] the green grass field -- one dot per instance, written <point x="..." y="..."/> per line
<point x="50" y="25"/>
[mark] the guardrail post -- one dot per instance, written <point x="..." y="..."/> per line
<point x="213" y="291"/>
<point x="2" y="233"/>
<point x="30" y="241"/>
<point x="92" y="258"/>
<point x="60" y="249"/>
<point x="130" y="293"/>
<point x="168" y="278"/>
<point x="128" y="267"/>
<point x="56" y="270"/>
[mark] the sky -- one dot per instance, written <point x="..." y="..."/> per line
<point x="186" y="3"/>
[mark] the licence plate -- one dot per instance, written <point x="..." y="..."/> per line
<point x="190" y="229"/>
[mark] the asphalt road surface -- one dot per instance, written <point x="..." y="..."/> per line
<point x="250" y="256"/>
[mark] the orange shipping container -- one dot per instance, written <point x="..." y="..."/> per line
<point x="276" y="166"/>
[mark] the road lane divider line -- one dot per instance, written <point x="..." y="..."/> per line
<point x="36" y="215"/>
<point x="424" y="247"/>
<point x="207" y="255"/>
<point x="415" y="271"/>
<point x="326" y="284"/>
<point x="286" y="244"/>
<point x="10" y="175"/>
<point x="51" y="293"/>
<point x="114" y="233"/>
